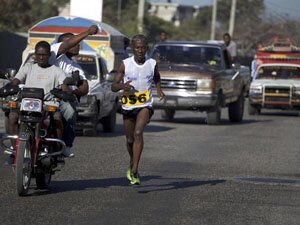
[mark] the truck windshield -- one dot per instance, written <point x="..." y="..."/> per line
<point x="199" y="55"/>
<point x="88" y="65"/>
<point x="278" y="72"/>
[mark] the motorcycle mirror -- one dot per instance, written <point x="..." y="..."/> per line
<point x="110" y="76"/>
<point x="11" y="72"/>
<point x="69" y="81"/>
<point x="3" y="75"/>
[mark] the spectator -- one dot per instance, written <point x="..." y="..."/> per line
<point x="163" y="36"/>
<point x="231" y="46"/>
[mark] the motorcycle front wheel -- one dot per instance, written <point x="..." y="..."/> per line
<point x="23" y="168"/>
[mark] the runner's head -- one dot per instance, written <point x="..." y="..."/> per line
<point x="139" y="45"/>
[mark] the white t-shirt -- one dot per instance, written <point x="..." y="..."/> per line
<point x="32" y="75"/>
<point x="232" y="49"/>
<point x="64" y="62"/>
<point x="141" y="77"/>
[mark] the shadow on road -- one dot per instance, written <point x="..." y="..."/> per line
<point x="166" y="184"/>
<point x="177" y="185"/>
<point x="119" y="131"/>
<point x="197" y="121"/>
<point x="280" y="113"/>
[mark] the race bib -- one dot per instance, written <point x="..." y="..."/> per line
<point x="135" y="99"/>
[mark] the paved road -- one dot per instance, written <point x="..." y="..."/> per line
<point x="192" y="173"/>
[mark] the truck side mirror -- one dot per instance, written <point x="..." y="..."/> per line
<point x="109" y="77"/>
<point x="236" y="65"/>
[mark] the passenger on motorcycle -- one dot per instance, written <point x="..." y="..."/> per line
<point x="40" y="75"/>
<point x="62" y="52"/>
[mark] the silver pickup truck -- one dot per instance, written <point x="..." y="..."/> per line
<point x="199" y="76"/>
<point x="100" y="104"/>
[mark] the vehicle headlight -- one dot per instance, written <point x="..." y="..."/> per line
<point x="204" y="85"/>
<point x="296" y="90"/>
<point x="255" y="90"/>
<point x="31" y="105"/>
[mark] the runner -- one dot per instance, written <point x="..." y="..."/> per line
<point x="135" y="76"/>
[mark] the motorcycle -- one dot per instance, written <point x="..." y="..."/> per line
<point x="38" y="152"/>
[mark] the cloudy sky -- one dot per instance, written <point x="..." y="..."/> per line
<point x="281" y="9"/>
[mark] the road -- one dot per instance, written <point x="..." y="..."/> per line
<point x="191" y="173"/>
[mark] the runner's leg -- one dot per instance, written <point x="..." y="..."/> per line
<point x="141" y="121"/>
<point x="129" y="124"/>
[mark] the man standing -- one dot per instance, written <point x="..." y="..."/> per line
<point x="231" y="46"/>
<point x="61" y="56"/>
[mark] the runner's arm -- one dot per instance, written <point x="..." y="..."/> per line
<point x="156" y="80"/>
<point x="117" y="85"/>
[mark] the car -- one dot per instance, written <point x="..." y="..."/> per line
<point x="276" y="77"/>
<point x="199" y="76"/>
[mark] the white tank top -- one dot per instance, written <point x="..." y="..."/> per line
<point x="141" y="77"/>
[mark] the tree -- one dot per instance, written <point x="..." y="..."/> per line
<point x="16" y="15"/>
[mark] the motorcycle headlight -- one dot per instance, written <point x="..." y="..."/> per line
<point x="204" y="85"/>
<point x="31" y="105"/>
<point x="255" y="90"/>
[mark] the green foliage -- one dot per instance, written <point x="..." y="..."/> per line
<point x="251" y="26"/>
<point x="19" y="15"/>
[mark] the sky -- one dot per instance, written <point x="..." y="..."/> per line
<point x="281" y="9"/>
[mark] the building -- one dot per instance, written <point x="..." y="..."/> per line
<point x="174" y="11"/>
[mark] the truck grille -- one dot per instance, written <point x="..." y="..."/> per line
<point x="178" y="84"/>
<point x="279" y="95"/>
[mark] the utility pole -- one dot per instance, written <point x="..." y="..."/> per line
<point x="232" y="17"/>
<point x="141" y="9"/>
<point x="119" y="11"/>
<point x="213" y="20"/>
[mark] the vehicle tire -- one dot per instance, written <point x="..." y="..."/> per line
<point x="252" y="110"/>
<point x="236" y="110"/>
<point x="42" y="180"/>
<point x="214" y="114"/>
<point x="109" y="122"/>
<point x="23" y="168"/>
<point x="167" y="114"/>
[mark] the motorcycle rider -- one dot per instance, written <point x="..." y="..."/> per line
<point x="62" y="52"/>
<point x="40" y="75"/>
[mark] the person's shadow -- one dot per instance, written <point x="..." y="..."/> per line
<point x="185" y="183"/>
<point x="83" y="185"/>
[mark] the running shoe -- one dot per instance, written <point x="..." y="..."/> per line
<point x="135" y="179"/>
<point x="128" y="174"/>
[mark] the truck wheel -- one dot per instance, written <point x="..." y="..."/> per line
<point x="109" y="122"/>
<point x="236" y="110"/>
<point x="252" y="110"/>
<point x="168" y="114"/>
<point x="214" y="114"/>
